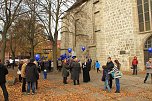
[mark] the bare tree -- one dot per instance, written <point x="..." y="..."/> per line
<point x="50" y="13"/>
<point x="21" y="34"/>
<point x="9" y="11"/>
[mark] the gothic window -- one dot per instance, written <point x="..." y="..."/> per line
<point x="148" y="43"/>
<point x="144" y="14"/>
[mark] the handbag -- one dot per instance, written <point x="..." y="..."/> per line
<point x="131" y="67"/>
<point x="118" y="74"/>
<point x="113" y="74"/>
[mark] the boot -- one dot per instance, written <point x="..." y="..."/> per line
<point x="117" y="91"/>
<point x="78" y="82"/>
<point x="74" y="82"/>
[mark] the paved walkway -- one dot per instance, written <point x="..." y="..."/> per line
<point x="132" y="89"/>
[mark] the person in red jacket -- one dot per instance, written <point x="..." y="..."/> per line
<point x="134" y="64"/>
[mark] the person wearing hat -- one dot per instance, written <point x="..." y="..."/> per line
<point x="31" y="76"/>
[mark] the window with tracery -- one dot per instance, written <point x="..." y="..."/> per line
<point x="144" y="14"/>
<point x="148" y="43"/>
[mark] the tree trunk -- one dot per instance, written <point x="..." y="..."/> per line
<point x="13" y="58"/>
<point x="12" y="48"/>
<point x="54" y="54"/>
<point x="32" y="50"/>
<point x="3" y="46"/>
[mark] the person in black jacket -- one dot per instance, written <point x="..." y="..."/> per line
<point x="3" y="73"/>
<point x="86" y="69"/>
<point x="31" y="76"/>
<point x="110" y="66"/>
<point x="89" y="62"/>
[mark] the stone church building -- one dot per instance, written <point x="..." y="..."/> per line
<point x="120" y="29"/>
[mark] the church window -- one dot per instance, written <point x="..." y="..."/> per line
<point x="139" y="2"/>
<point x="144" y="14"/>
<point x="140" y="9"/>
<point x="147" y="26"/>
<point x="148" y="43"/>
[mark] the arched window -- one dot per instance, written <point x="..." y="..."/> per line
<point x="148" y="43"/>
<point x="144" y="14"/>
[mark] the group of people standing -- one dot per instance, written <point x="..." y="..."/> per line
<point x="30" y="75"/>
<point x="73" y="67"/>
<point x="111" y="71"/>
<point x="30" y="72"/>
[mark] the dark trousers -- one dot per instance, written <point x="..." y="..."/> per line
<point x="24" y="85"/>
<point x="36" y="84"/>
<point x="45" y="75"/>
<point x="74" y="81"/>
<point x="20" y="78"/>
<point x="147" y="75"/>
<point x="98" y="70"/>
<point x="65" y="80"/>
<point x="134" y="69"/>
<point x="110" y="81"/>
<point x="29" y="86"/>
<point x="5" y="93"/>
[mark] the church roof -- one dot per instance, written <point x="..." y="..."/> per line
<point x="76" y="4"/>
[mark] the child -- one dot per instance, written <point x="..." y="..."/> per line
<point x="117" y="75"/>
<point x="97" y="66"/>
<point x="45" y="74"/>
<point x="105" y="78"/>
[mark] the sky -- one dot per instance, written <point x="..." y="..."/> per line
<point x="59" y="35"/>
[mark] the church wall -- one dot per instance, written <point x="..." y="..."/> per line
<point x="109" y="29"/>
<point x="119" y="31"/>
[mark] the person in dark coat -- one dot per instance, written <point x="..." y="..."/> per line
<point x="65" y="72"/>
<point x="46" y="65"/>
<point x="42" y="65"/>
<point x="3" y="73"/>
<point x="31" y="76"/>
<point x="110" y="66"/>
<point x="39" y="71"/>
<point x="75" y="71"/>
<point x="105" y="78"/>
<point x="89" y="63"/>
<point x="86" y="69"/>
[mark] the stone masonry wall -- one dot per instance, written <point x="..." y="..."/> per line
<point x="118" y="30"/>
<point x="109" y="27"/>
